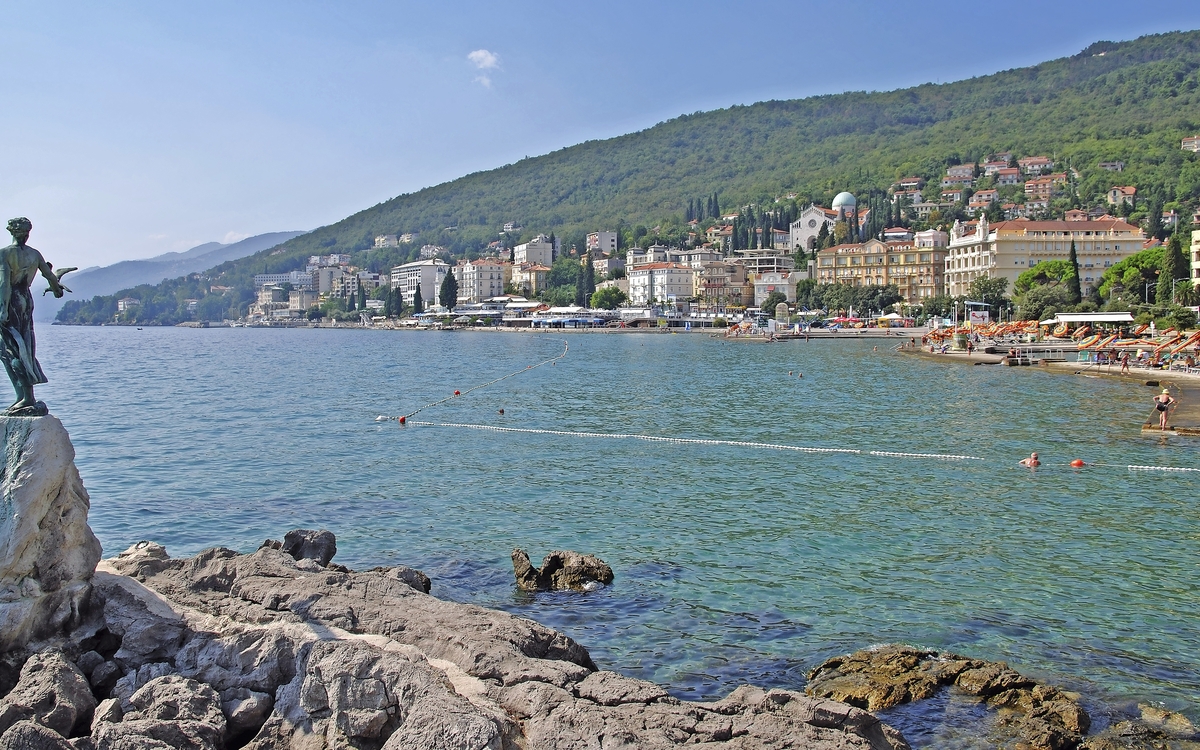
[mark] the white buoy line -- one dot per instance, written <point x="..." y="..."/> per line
<point x="404" y="419"/>
<point x="691" y="441"/>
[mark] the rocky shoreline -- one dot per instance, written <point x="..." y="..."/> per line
<point x="285" y="648"/>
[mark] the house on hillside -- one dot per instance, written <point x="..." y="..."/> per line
<point x="1112" y="166"/>
<point x="1008" y="176"/>
<point x="1035" y="164"/>
<point x="1192" y="143"/>
<point x="1122" y="194"/>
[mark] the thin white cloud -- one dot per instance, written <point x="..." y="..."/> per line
<point x="232" y="237"/>
<point x="484" y="60"/>
<point x="485" y="81"/>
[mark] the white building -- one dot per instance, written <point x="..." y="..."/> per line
<point x="1195" y="254"/>
<point x="1008" y="248"/>
<point x="602" y="242"/>
<point x="640" y="256"/>
<point x="775" y="282"/>
<point x="429" y="274"/>
<point x="478" y="280"/>
<point x="539" y="251"/>
<point x="386" y="240"/>
<point x="430" y="251"/>
<point x="660" y="282"/>
<point x="298" y="279"/>
<point x="932" y="238"/>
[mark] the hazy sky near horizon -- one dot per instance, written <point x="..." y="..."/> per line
<point x="137" y="128"/>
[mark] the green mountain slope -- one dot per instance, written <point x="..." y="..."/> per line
<point x="1130" y="101"/>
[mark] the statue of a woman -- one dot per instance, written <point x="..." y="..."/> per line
<point x="19" y="265"/>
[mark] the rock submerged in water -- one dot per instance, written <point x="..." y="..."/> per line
<point x="561" y="571"/>
<point x="879" y="678"/>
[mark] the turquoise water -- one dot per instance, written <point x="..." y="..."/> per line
<point x="733" y="564"/>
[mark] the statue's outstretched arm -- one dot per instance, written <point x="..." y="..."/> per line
<point x="54" y="279"/>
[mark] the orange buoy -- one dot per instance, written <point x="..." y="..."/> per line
<point x="403" y="420"/>
<point x="1078" y="463"/>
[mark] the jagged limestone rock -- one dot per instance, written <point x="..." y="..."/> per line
<point x="51" y="693"/>
<point x="47" y="551"/>
<point x="561" y="570"/>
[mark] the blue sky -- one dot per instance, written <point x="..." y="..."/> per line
<point x="137" y="128"/>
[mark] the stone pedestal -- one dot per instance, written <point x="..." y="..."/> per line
<point x="47" y="551"/>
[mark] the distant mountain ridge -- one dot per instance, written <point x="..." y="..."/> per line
<point x="130" y="273"/>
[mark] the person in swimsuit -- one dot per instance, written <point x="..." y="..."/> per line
<point x="1163" y="403"/>
<point x="1032" y="462"/>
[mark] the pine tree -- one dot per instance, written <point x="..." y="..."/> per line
<point x="1073" y="288"/>
<point x="448" y="294"/>
<point x="418" y="303"/>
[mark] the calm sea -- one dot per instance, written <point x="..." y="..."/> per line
<point x="733" y="564"/>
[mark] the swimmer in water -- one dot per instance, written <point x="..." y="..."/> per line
<point x="1032" y="462"/>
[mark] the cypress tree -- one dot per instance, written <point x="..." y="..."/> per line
<point x="716" y="209"/>
<point x="387" y="305"/>
<point x="589" y="279"/>
<point x="1073" y="288"/>
<point x="362" y="296"/>
<point x="418" y="303"/>
<point x="350" y="302"/>
<point x="448" y="294"/>
<point x="1174" y="266"/>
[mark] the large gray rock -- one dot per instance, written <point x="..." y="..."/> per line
<point x="51" y="692"/>
<point x="149" y="629"/>
<point x="25" y="735"/>
<point x="365" y="660"/>
<point x="305" y="544"/>
<point x="167" y="712"/>
<point x="351" y="694"/>
<point x="47" y="551"/>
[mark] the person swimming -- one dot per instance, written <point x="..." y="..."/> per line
<point x="1032" y="461"/>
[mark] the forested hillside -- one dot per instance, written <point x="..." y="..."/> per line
<point x="1129" y="101"/>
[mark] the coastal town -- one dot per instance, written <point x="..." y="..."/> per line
<point x="1008" y="227"/>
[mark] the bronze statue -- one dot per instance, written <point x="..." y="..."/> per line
<point x="19" y="265"/>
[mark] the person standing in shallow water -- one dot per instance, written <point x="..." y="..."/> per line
<point x="19" y="265"/>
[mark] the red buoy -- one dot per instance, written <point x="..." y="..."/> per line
<point x="456" y="393"/>
<point x="403" y="420"/>
<point x="1078" y="463"/>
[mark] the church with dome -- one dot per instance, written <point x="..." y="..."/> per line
<point x="807" y="227"/>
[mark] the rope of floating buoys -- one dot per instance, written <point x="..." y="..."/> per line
<point x="403" y="419"/>
<point x="693" y="441"/>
